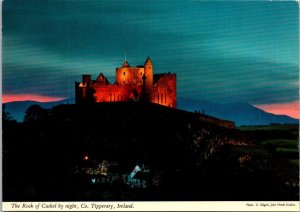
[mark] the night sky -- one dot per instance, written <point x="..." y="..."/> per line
<point x="221" y="51"/>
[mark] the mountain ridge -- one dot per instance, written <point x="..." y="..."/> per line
<point x="241" y="113"/>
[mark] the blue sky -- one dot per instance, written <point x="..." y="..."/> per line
<point x="221" y="51"/>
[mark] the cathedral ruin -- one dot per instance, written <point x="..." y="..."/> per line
<point x="136" y="83"/>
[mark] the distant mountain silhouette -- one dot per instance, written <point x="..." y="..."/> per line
<point x="18" y="108"/>
<point x="240" y="113"/>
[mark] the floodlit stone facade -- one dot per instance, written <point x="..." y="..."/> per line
<point x="132" y="84"/>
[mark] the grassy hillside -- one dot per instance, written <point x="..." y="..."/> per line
<point x="281" y="140"/>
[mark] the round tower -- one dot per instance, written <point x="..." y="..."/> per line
<point x="148" y="79"/>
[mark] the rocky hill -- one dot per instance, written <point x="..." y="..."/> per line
<point x="88" y="151"/>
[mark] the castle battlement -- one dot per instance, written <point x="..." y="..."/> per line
<point x="136" y="83"/>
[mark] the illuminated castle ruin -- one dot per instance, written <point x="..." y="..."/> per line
<point x="132" y="84"/>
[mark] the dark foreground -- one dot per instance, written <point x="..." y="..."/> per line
<point x="88" y="153"/>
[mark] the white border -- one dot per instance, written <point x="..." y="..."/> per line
<point x="153" y="206"/>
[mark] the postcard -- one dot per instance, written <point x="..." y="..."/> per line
<point x="150" y="105"/>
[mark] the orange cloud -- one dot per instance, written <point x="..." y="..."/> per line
<point x="291" y="109"/>
<point x="25" y="97"/>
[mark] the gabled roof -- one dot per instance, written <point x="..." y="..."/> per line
<point x="148" y="61"/>
<point x="125" y="64"/>
<point x="101" y="76"/>
<point x="102" y="79"/>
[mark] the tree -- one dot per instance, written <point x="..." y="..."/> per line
<point x="35" y="114"/>
<point x="6" y="116"/>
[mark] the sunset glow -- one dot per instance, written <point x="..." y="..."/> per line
<point x="28" y="97"/>
<point x="291" y="109"/>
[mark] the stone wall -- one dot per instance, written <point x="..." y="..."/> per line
<point x="216" y="121"/>
<point x="164" y="90"/>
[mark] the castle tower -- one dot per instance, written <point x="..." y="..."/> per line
<point x="124" y="75"/>
<point x="83" y="90"/>
<point x="148" y="79"/>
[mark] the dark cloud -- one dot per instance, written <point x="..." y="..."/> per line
<point x="238" y="79"/>
<point x="221" y="51"/>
